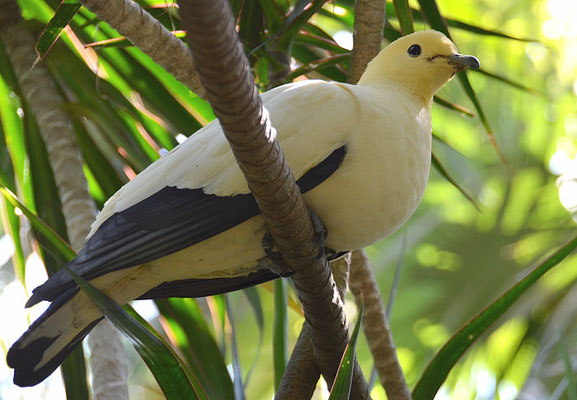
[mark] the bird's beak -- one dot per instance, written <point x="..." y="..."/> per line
<point x="460" y="62"/>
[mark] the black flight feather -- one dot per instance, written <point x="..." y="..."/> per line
<point x="168" y="221"/>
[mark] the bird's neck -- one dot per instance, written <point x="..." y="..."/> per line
<point x="421" y="97"/>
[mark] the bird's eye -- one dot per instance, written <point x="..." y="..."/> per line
<point x="414" y="50"/>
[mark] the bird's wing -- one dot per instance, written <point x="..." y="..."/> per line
<point x="198" y="191"/>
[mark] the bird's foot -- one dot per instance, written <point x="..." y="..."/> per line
<point x="274" y="260"/>
<point x="279" y="266"/>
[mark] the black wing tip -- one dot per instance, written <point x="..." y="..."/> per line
<point x="24" y="359"/>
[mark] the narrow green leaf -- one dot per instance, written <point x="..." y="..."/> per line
<point x="341" y="389"/>
<point x="453" y="23"/>
<point x="8" y="120"/>
<point x="168" y="370"/>
<point x="64" y="14"/>
<point x="487" y="32"/>
<point x="569" y="373"/>
<point x="404" y="16"/>
<point x="106" y="175"/>
<point x="433" y="16"/>
<point x="319" y="65"/>
<point x="453" y="106"/>
<point x="193" y="337"/>
<point x="273" y="14"/>
<point x="280" y="331"/>
<point x="251" y="25"/>
<point x="440" y="366"/>
<point x="11" y="223"/>
<point x="473" y="97"/>
<point x="441" y="169"/>
<point x="217" y="306"/>
<point x="320" y="42"/>
<point x="512" y="83"/>
<point x="236" y="369"/>
<point x="75" y="376"/>
<point x="59" y="243"/>
<point x="390" y="33"/>
<point x="12" y="114"/>
<point x="253" y="298"/>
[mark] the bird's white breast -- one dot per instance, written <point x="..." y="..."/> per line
<point x="384" y="174"/>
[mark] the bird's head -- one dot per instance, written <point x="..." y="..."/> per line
<point x="422" y="62"/>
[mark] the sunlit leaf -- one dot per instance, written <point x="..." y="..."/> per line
<point x="236" y="369"/>
<point x="511" y="82"/>
<point x="64" y="14"/>
<point x="341" y="389"/>
<point x="441" y="169"/>
<point x="569" y="372"/>
<point x="168" y="370"/>
<point x="193" y="337"/>
<point x="438" y="369"/>
<point x="318" y="65"/>
<point x="452" y="106"/>
<point x="253" y="298"/>
<point x="404" y="16"/>
<point x="60" y="244"/>
<point x="280" y="331"/>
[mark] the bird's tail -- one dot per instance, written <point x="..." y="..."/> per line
<point x="70" y="317"/>
<point x="51" y="338"/>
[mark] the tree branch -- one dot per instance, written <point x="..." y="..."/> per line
<point x="224" y="72"/>
<point x="150" y="36"/>
<point x="367" y="35"/>
<point x="376" y="327"/>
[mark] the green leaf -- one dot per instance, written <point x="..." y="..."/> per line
<point x="433" y="15"/>
<point x="64" y="14"/>
<point x="486" y="32"/>
<point x="320" y="65"/>
<point x="569" y="373"/>
<point x="280" y="331"/>
<point x="512" y="83"/>
<point x="107" y="177"/>
<point x="168" y="370"/>
<point x="75" y="376"/>
<point x="473" y="97"/>
<point x="236" y="369"/>
<point x="320" y="42"/>
<point x="253" y="298"/>
<point x="341" y="389"/>
<point x="453" y="23"/>
<point x="440" y="366"/>
<point x="60" y="244"/>
<point x="453" y="106"/>
<point x="441" y="169"/>
<point x="194" y="339"/>
<point x="404" y="15"/>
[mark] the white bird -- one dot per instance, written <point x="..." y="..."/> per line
<point x="189" y="226"/>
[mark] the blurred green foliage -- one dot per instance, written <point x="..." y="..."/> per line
<point x="456" y="258"/>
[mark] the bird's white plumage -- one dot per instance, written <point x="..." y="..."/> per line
<point x="210" y="163"/>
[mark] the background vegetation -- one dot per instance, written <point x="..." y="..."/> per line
<point x="455" y="258"/>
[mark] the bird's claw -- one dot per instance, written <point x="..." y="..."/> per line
<point x="277" y="263"/>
